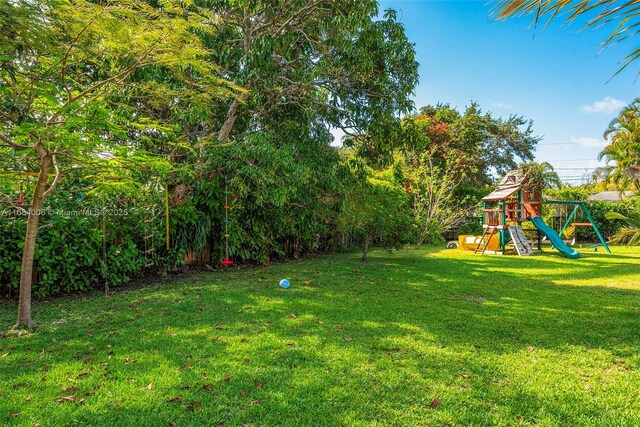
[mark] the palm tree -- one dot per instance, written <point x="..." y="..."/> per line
<point x="624" y="16"/>
<point x="629" y="234"/>
<point x="541" y="175"/>
<point x="623" y="150"/>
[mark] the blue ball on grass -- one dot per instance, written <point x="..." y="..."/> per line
<point x="284" y="283"/>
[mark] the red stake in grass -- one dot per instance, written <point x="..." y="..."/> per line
<point x="226" y="260"/>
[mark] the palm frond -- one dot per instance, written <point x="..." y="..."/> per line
<point x="623" y="16"/>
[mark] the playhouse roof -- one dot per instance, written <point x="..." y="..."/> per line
<point x="510" y="184"/>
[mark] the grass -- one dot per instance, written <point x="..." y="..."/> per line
<point x="417" y="337"/>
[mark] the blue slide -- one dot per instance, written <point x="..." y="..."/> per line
<point x="555" y="239"/>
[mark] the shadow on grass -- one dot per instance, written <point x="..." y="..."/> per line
<point x="348" y="344"/>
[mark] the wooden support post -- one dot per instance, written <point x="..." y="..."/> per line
<point x="503" y="237"/>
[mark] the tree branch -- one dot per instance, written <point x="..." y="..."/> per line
<point x="12" y="144"/>
<point x="56" y="179"/>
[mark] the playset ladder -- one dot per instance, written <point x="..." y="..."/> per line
<point x="490" y="231"/>
<point x="520" y="240"/>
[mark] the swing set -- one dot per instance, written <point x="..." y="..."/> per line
<point x="516" y="201"/>
<point x="570" y="221"/>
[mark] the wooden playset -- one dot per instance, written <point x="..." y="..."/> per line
<point x="514" y="201"/>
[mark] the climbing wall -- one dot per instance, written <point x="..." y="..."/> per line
<point x="520" y="241"/>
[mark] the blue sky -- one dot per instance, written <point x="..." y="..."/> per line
<point x="558" y="77"/>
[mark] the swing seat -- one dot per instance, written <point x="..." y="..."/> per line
<point x="581" y="224"/>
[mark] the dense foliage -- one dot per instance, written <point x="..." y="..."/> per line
<point x="451" y="158"/>
<point x="622" y="152"/>
<point x="125" y="99"/>
<point x="557" y="215"/>
<point x="110" y="108"/>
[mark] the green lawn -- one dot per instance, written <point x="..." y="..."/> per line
<point x="497" y="340"/>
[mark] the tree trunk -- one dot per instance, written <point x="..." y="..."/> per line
<point x="232" y="113"/>
<point x="29" y="250"/>
<point x="365" y="249"/>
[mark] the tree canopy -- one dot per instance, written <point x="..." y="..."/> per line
<point x="622" y="154"/>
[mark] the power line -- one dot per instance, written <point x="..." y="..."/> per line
<point x="569" y="160"/>
<point x="586" y="144"/>
<point x="575" y="169"/>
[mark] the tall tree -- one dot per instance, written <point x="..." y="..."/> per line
<point x="329" y="62"/>
<point x="622" y="16"/>
<point x="623" y="150"/>
<point x="62" y="65"/>
<point x="497" y="145"/>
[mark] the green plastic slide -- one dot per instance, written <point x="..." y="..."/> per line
<point x="555" y="238"/>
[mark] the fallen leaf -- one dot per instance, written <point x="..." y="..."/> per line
<point x="246" y="361"/>
<point x="150" y="386"/>
<point x="255" y="402"/>
<point x="175" y="399"/>
<point x="4" y="355"/>
<point x="587" y="387"/>
<point x="207" y="387"/>
<point x="70" y="388"/>
<point x="71" y="398"/>
<point x="531" y="348"/>
<point x="348" y="339"/>
<point x="292" y="315"/>
<point x="82" y="375"/>
<point x="435" y="403"/>
<point x="193" y="405"/>
<point x="259" y="386"/>
<point x="228" y="377"/>
<point x="243" y="393"/>
<point x="17" y="414"/>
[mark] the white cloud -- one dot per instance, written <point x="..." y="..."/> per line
<point x="605" y="105"/>
<point x="589" y="142"/>
<point x="500" y="104"/>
